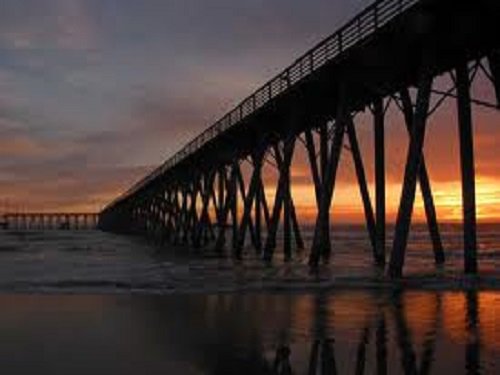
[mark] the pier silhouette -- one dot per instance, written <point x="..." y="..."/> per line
<point x="389" y="55"/>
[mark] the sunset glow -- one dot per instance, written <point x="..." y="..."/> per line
<point x="447" y="198"/>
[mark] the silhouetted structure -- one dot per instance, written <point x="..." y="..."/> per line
<point x="49" y="221"/>
<point x="371" y="62"/>
<point x="374" y="334"/>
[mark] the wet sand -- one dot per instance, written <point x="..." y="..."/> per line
<point x="428" y="332"/>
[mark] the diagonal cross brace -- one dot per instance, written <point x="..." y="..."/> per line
<point x="289" y="146"/>
<point x="412" y="168"/>
<point x="321" y="245"/>
<point x="425" y="185"/>
<point x="363" y="186"/>
<point x="249" y="200"/>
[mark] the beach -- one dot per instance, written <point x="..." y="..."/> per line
<point x="89" y="302"/>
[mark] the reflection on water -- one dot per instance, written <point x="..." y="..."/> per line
<point x="350" y="332"/>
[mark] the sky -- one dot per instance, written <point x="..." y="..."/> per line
<point x="96" y="93"/>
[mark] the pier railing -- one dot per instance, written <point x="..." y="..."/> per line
<point x="359" y="28"/>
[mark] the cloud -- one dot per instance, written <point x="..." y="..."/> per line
<point x="95" y="92"/>
<point x="87" y="189"/>
<point x="63" y="24"/>
<point x="76" y="27"/>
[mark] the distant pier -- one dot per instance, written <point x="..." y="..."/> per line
<point x="49" y="221"/>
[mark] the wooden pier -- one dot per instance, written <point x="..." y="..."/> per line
<point x="49" y="221"/>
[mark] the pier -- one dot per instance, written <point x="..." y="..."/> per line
<point x="48" y="221"/>
<point x="391" y="54"/>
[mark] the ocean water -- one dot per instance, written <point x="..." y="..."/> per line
<point x="91" y="261"/>
<point x="97" y="303"/>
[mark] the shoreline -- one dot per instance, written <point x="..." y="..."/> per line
<point x="409" y="284"/>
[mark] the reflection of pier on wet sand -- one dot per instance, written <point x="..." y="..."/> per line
<point x="375" y="336"/>
<point x="394" y="338"/>
<point x="266" y="334"/>
<point x="49" y="221"/>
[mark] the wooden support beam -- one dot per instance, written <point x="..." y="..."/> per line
<point x="170" y="213"/>
<point x="249" y="201"/>
<point x="147" y="215"/>
<point x="185" y="211"/>
<point x="265" y="206"/>
<point x="234" y="203"/>
<point x="191" y="214"/>
<point x="363" y="187"/>
<point x="177" y="214"/>
<point x="217" y="211"/>
<point x="287" y="198"/>
<point x="467" y="167"/>
<point x="311" y="152"/>
<point x="158" y="225"/>
<point x="226" y="186"/>
<point x="210" y="224"/>
<point x="315" y="171"/>
<point x="219" y="199"/>
<point x="156" y="218"/>
<point x="173" y="220"/>
<point x="150" y="214"/>
<point x="299" y="242"/>
<point x="197" y="214"/>
<point x="167" y="215"/>
<point x="146" y="210"/>
<point x="243" y="194"/>
<point x="286" y="158"/>
<point x="425" y="185"/>
<point x="270" y="243"/>
<point x="258" y="214"/>
<point x="196" y="203"/>
<point x="321" y="242"/>
<point x="226" y="196"/>
<point x="258" y="161"/>
<point x="163" y="206"/>
<point x="319" y="179"/>
<point x="325" y="155"/>
<point x="380" y="190"/>
<point x="184" y="215"/>
<point x="323" y="149"/>
<point x="221" y="192"/>
<point x="204" y="223"/>
<point x="412" y="168"/>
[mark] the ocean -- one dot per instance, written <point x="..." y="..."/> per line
<point x="86" y="302"/>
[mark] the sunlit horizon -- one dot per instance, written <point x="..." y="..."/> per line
<point x="347" y="205"/>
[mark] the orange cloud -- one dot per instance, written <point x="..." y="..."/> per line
<point x="21" y="146"/>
